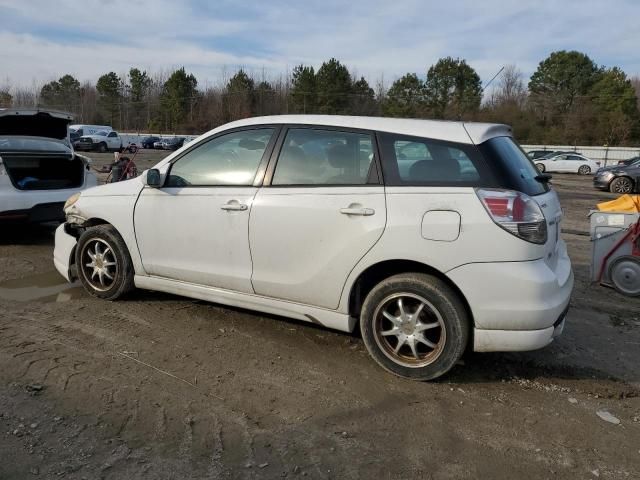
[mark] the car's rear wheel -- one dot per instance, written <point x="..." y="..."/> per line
<point x="584" y="170"/>
<point x="415" y="326"/>
<point x="103" y="263"/>
<point x="540" y="167"/>
<point x="621" y="185"/>
<point x="102" y="147"/>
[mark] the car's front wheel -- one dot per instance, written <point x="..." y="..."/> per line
<point x="102" y="147"/>
<point x="540" y="167"/>
<point x="621" y="185"/>
<point x="103" y="263"/>
<point x="415" y="326"/>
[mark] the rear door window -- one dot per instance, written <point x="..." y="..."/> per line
<point x="423" y="161"/>
<point x="312" y="156"/>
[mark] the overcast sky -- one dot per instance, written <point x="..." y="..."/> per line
<point x="40" y="40"/>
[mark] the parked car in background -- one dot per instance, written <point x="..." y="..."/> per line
<point x="172" y="143"/>
<point x="102" y="141"/>
<point x="567" y="163"/>
<point x="158" y="144"/>
<point x="629" y="161"/>
<point x="318" y="218"/>
<point x="619" y="178"/>
<point x="38" y="168"/>
<point x="148" y="142"/>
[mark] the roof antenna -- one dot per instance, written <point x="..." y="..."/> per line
<point x="492" y="79"/>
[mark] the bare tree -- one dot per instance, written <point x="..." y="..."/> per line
<point x="510" y="90"/>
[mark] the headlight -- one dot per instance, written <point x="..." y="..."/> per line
<point x="71" y="201"/>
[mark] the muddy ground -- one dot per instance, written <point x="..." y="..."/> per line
<point x="157" y="386"/>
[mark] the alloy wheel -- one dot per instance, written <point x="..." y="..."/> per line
<point x="99" y="264"/>
<point x="409" y="329"/>
<point x="622" y="185"/>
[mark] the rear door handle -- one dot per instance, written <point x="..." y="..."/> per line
<point x="234" y="206"/>
<point x="365" y="212"/>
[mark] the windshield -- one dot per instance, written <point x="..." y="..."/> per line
<point x="101" y="133"/>
<point x="513" y="165"/>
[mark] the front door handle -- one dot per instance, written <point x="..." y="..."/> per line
<point x="365" y="212"/>
<point x="234" y="206"/>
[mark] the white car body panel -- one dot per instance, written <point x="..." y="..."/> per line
<point x="287" y="223"/>
<point x="209" y="245"/>
<point x="13" y="199"/>
<point x="292" y="252"/>
<point x="113" y="203"/>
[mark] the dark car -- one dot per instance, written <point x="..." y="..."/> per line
<point x="173" y="143"/>
<point x="629" y="161"/>
<point x="619" y="178"/>
<point x="149" y="141"/>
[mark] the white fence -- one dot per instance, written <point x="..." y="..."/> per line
<point x="605" y="155"/>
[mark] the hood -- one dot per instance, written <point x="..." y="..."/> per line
<point x="623" y="168"/>
<point x="126" y="188"/>
<point x="34" y="123"/>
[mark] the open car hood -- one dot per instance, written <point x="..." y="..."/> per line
<point x="34" y="123"/>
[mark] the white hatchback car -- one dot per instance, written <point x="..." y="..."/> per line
<point x="38" y="168"/>
<point x="567" y="163"/>
<point x="434" y="236"/>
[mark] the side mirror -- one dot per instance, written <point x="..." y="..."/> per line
<point x="153" y="178"/>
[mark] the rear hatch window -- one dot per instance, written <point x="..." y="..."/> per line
<point x="511" y="165"/>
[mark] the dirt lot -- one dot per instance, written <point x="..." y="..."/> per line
<point x="158" y="386"/>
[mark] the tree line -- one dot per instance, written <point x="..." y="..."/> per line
<point x="569" y="99"/>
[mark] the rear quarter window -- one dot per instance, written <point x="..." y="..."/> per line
<point x="511" y="166"/>
<point x="416" y="161"/>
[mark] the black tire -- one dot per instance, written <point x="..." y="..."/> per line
<point x="112" y="250"/>
<point x="621" y="185"/>
<point x="541" y="168"/>
<point x="584" y="170"/>
<point x="443" y="308"/>
<point x="102" y="147"/>
<point x="624" y="273"/>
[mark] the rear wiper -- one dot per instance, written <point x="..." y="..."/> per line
<point x="543" y="178"/>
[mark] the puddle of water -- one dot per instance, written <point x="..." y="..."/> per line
<point x="44" y="287"/>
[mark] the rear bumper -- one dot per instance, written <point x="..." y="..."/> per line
<point x="516" y="305"/>
<point x="516" y="340"/>
<point x="63" y="252"/>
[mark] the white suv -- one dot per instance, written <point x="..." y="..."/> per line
<point x="434" y="236"/>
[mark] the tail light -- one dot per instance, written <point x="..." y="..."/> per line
<point x="515" y="212"/>
<point x="598" y="163"/>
